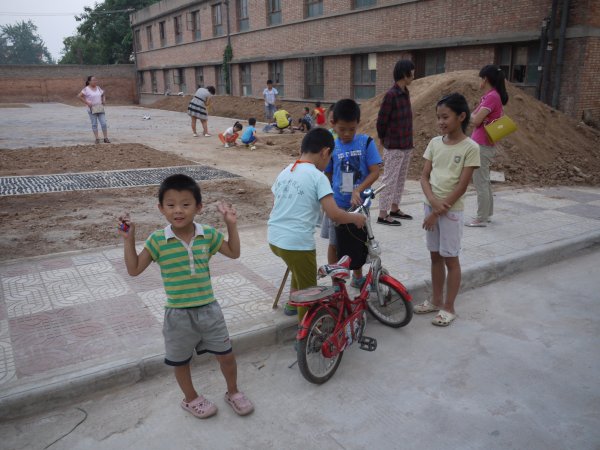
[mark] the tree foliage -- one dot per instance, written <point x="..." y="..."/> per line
<point x="104" y="35"/>
<point x="20" y="44"/>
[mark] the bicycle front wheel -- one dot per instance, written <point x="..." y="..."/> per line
<point x="314" y="366"/>
<point x="389" y="305"/>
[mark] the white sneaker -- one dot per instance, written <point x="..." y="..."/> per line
<point x="253" y="147"/>
<point x="226" y="145"/>
<point x="195" y="135"/>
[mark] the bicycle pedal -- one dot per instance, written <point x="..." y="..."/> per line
<point x="368" y="343"/>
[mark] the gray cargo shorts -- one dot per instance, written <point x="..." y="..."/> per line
<point x="202" y="328"/>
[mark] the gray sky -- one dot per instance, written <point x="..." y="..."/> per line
<point x="56" y="19"/>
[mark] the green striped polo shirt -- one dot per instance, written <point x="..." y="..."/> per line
<point x="184" y="269"/>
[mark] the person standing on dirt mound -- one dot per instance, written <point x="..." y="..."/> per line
<point x="490" y="108"/>
<point x="395" y="131"/>
<point x="93" y="96"/>
<point x="198" y="108"/>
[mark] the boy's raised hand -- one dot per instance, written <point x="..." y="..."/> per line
<point x="125" y="227"/>
<point x="228" y="211"/>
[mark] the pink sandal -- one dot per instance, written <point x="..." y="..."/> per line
<point x="240" y="403"/>
<point x="200" y="407"/>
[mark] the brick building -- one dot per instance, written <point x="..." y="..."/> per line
<point x="330" y="49"/>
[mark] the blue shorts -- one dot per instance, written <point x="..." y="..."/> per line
<point x="250" y="141"/>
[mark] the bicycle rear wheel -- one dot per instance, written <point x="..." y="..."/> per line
<point x="314" y="366"/>
<point x="389" y="305"/>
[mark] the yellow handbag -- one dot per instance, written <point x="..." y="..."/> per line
<point x="500" y="128"/>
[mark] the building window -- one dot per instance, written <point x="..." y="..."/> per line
<point x="246" y="79"/>
<point x="430" y="62"/>
<point x="435" y="62"/>
<point x="167" y="82"/>
<point x="178" y="30"/>
<point x="276" y="75"/>
<point x="162" y="34"/>
<point x="242" y="12"/>
<point x="217" y="16"/>
<point x="179" y="80"/>
<point x="364" y="3"/>
<point x="149" y="37"/>
<point x="154" y="81"/>
<point x="364" y="75"/>
<point x="314" y="77"/>
<point x="313" y="8"/>
<point x="137" y="43"/>
<point x="274" y="12"/>
<point x="193" y="24"/>
<point x="220" y="77"/>
<point x="199" y="77"/>
<point x="519" y="62"/>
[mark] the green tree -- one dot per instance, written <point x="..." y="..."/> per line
<point x="104" y="35"/>
<point x="20" y="44"/>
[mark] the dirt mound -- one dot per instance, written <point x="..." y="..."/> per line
<point x="230" y="106"/>
<point x="549" y="147"/>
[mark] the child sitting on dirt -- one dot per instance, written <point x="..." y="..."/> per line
<point x="449" y="164"/>
<point x="283" y="119"/>
<point x="230" y="135"/>
<point x="193" y="319"/>
<point x="300" y="190"/>
<point x="249" y="137"/>
<point x="305" y="123"/>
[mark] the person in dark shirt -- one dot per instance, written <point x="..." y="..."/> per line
<point x="395" y="132"/>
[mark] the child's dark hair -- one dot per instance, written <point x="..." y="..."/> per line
<point x="316" y="139"/>
<point x="403" y="69"/>
<point x="495" y="76"/>
<point x="238" y="125"/>
<point x="306" y="109"/>
<point x="346" y="110"/>
<point x="457" y="103"/>
<point x="87" y="81"/>
<point x="318" y="104"/>
<point x="179" y="182"/>
<point x="211" y="89"/>
<point x="269" y="81"/>
<point x="251" y="121"/>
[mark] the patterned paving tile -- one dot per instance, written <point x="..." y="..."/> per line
<point x="155" y="301"/>
<point x="66" y="293"/>
<point x="52" y="276"/>
<point x="88" y="258"/>
<point x="7" y="360"/>
<point x="24" y="295"/>
<point x="95" y="268"/>
<point x="113" y="253"/>
<point x="106" y="285"/>
<point x="235" y="315"/>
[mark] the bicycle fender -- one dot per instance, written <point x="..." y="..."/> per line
<point x="306" y="320"/>
<point x="397" y="285"/>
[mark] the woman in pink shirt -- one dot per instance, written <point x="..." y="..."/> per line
<point x="490" y="108"/>
<point x="93" y="97"/>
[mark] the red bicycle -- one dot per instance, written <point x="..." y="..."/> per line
<point x="334" y="321"/>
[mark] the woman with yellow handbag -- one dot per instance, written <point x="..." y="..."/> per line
<point x="490" y="109"/>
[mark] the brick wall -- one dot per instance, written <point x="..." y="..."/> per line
<point x="62" y="83"/>
<point x="392" y="29"/>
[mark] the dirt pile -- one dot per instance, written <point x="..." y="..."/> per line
<point x="549" y="148"/>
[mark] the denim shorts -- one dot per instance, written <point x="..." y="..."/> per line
<point x="328" y="230"/>
<point x="202" y="329"/>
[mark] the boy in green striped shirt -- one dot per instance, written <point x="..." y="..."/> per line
<point x="193" y="318"/>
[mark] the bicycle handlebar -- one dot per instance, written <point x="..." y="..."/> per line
<point x="369" y="195"/>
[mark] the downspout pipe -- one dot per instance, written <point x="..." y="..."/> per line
<point x="560" y="56"/>
<point x="540" y="66"/>
<point x="229" y="83"/>
<point x="548" y="54"/>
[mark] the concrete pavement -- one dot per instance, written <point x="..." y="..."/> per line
<point x="518" y="370"/>
<point x="75" y="323"/>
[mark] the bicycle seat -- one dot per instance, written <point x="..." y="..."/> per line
<point x="311" y="294"/>
<point x="341" y="270"/>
